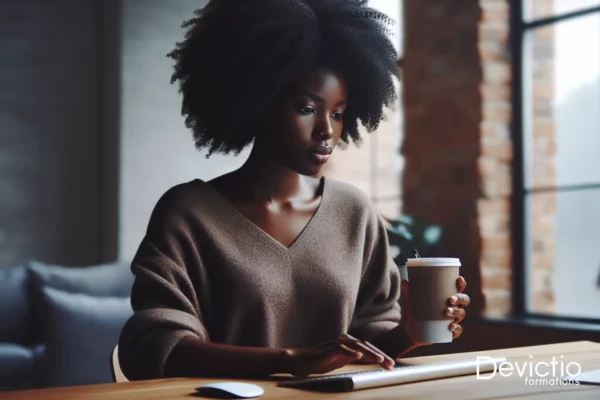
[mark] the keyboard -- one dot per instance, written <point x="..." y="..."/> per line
<point x="400" y="374"/>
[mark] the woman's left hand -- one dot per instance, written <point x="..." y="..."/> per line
<point x="404" y="332"/>
<point x="456" y="307"/>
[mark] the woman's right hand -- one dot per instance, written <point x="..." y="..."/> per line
<point x="335" y="354"/>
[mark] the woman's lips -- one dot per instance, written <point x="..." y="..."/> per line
<point x="321" y="149"/>
<point x="320" y="158"/>
<point x="320" y="153"/>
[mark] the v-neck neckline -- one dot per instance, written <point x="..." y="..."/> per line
<point x="304" y="234"/>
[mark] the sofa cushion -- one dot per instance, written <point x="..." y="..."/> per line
<point x="15" y="306"/>
<point x="16" y="361"/>
<point x="82" y="331"/>
<point x="112" y="280"/>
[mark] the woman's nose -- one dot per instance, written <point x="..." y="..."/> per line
<point x="324" y="131"/>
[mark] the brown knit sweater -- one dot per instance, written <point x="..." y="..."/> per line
<point x="203" y="269"/>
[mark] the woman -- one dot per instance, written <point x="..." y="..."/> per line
<point x="267" y="269"/>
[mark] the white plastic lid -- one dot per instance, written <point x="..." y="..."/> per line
<point x="433" y="262"/>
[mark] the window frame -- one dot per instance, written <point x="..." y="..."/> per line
<point x="519" y="28"/>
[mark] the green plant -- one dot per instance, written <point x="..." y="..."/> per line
<point x="407" y="233"/>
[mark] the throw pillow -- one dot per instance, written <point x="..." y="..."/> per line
<point x="104" y="280"/>
<point x="80" y="335"/>
<point x="15" y="306"/>
<point x="113" y="279"/>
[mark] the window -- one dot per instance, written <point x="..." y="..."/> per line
<point x="375" y="167"/>
<point x="557" y="179"/>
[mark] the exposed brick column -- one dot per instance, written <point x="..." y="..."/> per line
<point x="543" y="153"/>
<point x="495" y="161"/>
<point x="457" y="144"/>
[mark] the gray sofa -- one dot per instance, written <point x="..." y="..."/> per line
<point x="59" y="324"/>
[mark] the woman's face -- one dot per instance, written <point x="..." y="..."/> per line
<point x="311" y="122"/>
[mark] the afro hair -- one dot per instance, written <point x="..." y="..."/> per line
<point x="238" y="56"/>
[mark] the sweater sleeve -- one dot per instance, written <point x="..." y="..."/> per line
<point x="377" y="308"/>
<point x="163" y="297"/>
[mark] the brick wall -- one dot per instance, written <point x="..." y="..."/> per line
<point x="457" y="146"/>
<point x="458" y="149"/>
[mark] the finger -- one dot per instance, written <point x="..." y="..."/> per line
<point x="372" y="349"/>
<point x="457" y="313"/>
<point x="349" y="341"/>
<point x="388" y="362"/>
<point x="345" y="339"/>
<point x="373" y="356"/>
<point x="461" y="300"/>
<point x="379" y="357"/>
<point x="328" y="360"/>
<point x="343" y="355"/>
<point x="355" y="355"/>
<point x="339" y="360"/>
<point x="461" y="284"/>
<point x="456" y="329"/>
<point x="368" y="354"/>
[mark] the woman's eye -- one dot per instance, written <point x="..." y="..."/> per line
<point x="307" y="110"/>
<point x="337" y="116"/>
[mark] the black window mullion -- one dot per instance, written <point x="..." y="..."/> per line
<point x="522" y="194"/>
<point x="558" y="18"/>
<point x="565" y="188"/>
<point x="519" y="196"/>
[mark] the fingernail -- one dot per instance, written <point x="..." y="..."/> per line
<point x="449" y="311"/>
<point x="453" y="299"/>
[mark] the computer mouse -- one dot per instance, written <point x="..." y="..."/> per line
<point x="228" y="390"/>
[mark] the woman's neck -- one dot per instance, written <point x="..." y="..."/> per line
<point x="267" y="179"/>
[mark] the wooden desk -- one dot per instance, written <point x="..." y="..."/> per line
<point x="587" y="354"/>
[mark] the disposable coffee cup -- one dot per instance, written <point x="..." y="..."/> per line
<point x="432" y="283"/>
